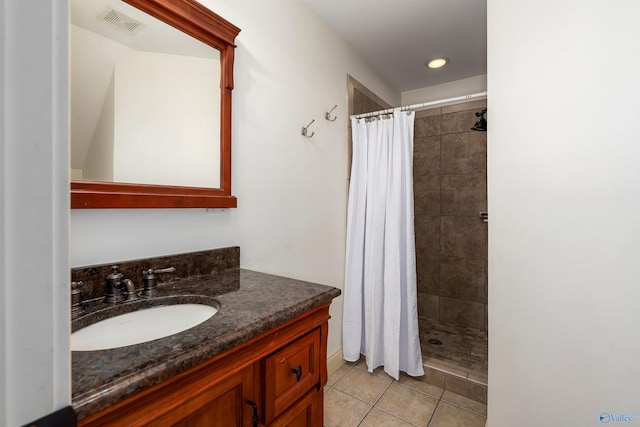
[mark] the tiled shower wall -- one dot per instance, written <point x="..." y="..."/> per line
<point x="450" y="190"/>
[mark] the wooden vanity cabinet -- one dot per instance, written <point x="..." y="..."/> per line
<point x="221" y="403"/>
<point x="283" y="371"/>
<point x="307" y="412"/>
<point x="290" y="373"/>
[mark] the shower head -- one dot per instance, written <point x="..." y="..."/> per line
<point x="481" y="123"/>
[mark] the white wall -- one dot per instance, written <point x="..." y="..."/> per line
<point x="452" y="89"/>
<point x="165" y="127"/>
<point x="91" y="67"/>
<point x="563" y="177"/>
<point x="98" y="162"/>
<point x="34" y="201"/>
<point x="290" y="68"/>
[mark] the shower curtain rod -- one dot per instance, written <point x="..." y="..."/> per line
<point x="418" y="106"/>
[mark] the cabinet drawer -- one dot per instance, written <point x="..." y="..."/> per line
<point x="307" y="412"/>
<point x="290" y="373"/>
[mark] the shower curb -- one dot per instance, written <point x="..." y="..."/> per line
<point x="456" y="380"/>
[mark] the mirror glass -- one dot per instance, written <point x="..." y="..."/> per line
<point x="145" y="99"/>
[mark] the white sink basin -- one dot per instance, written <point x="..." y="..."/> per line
<point x="140" y="326"/>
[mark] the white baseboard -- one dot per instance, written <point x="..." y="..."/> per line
<point x="335" y="361"/>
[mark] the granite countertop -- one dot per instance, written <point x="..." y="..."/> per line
<point x="250" y="303"/>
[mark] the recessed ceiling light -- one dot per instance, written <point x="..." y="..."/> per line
<point x="437" y="63"/>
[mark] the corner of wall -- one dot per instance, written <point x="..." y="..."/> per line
<point x="335" y="361"/>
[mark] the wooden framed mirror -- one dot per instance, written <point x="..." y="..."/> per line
<point x="116" y="189"/>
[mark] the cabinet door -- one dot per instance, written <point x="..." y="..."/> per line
<point x="307" y="412"/>
<point x="290" y="373"/>
<point x="221" y="405"/>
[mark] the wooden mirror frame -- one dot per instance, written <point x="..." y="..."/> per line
<point x="192" y="18"/>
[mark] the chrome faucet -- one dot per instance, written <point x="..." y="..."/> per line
<point x="149" y="277"/>
<point x="117" y="288"/>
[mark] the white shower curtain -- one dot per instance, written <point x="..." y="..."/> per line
<point x="380" y="317"/>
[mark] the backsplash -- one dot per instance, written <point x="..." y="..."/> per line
<point x="187" y="264"/>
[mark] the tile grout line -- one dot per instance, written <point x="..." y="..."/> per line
<point x="434" y="412"/>
<point x="374" y="403"/>
<point x="395" y="416"/>
<point x="463" y="408"/>
<point x="406" y="386"/>
<point x="340" y="377"/>
<point x="422" y="392"/>
<point x="439" y="399"/>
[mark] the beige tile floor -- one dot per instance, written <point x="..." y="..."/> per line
<point x="355" y="397"/>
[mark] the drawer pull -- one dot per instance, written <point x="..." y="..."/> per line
<point x="298" y="372"/>
<point x="255" y="419"/>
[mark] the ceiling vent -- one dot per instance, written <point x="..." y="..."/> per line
<point x="120" y="20"/>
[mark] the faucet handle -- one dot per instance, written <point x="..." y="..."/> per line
<point x="150" y="272"/>
<point x="150" y="287"/>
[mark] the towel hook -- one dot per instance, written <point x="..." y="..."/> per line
<point x="327" y="115"/>
<point x="306" y="128"/>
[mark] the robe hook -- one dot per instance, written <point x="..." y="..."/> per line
<point x="306" y="128"/>
<point x="327" y="115"/>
